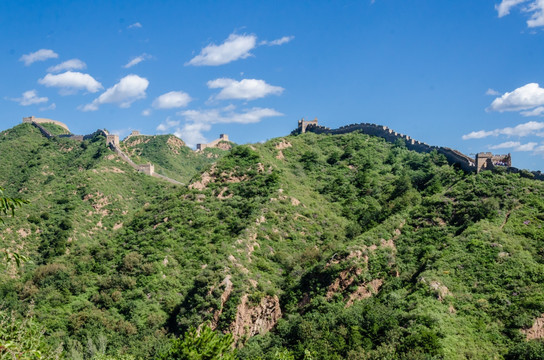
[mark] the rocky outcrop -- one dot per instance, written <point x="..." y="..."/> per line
<point x="256" y="319"/>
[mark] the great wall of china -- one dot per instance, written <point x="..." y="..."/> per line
<point x="482" y="161"/>
<point x="112" y="141"/>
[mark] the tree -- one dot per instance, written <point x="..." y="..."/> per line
<point x="7" y="206"/>
<point x="204" y="345"/>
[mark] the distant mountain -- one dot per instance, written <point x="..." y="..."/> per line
<point x="330" y="246"/>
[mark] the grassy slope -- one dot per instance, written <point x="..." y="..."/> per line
<point x="169" y="155"/>
<point x="461" y="274"/>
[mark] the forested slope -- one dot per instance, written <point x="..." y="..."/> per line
<point x="339" y="246"/>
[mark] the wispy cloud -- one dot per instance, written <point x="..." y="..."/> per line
<point x="137" y="60"/>
<point x="233" y="48"/>
<point x="171" y="100"/>
<point x="30" y="97"/>
<point x="280" y="41"/>
<point x="136" y="25"/>
<point x="70" y="82"/>
<point x="72" y="64"/>
<point x="199" y="121"/>
<point x="53" y="106"/>
<point x="125" y="92"/>
<point x="40" y="55"/>
<point x="533" y="7"/>
<point x="492" y="92"/>
<point x="515" y="146"/>
<point x="247" y="89"/>
<point x="526" y="129"/>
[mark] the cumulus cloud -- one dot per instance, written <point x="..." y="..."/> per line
<point x="137" y="60"/>
<point x="171" y="100"/>
<point x="71" y="82"/>
<point x="125" y="92"/>
<point x="72" y="64"/>
<point x="136" y="25"/>
<point x="247" y="89"/>
<point x="40" y="55"/>
<point x="146" y="112"/>
<point x="524" y="98"/>
<point x="199" y="121"/>
<point x="30" y="97"/>
<point x="533" y="7"/>
<point x="233" y="48"/>
<point x="280" y="41"/>
<point x="526" y="129"/>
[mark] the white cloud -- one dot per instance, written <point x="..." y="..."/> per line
<point x="30" y="97"/>
<point x="137" y="60"/>
<point x="515" y="145"/>
<point x="534" y="7"/>
<point x="234" y="48"/>
<point x="191" y="133"/>
<point x="539" y="111"/>
<point x="199" y="121"/>
<point x="523" y="98"/>
<point x="504" y="7"/>
<point x="72" y="64"/>
<point x="492" y="92"/>
<point x="40" y="55"/>
<point x="172" y="99"/>
<point x="146" y="112"/>
<point x="247" y="89"/>
<point x="528" y="128"/>
<point x="280" y="41"/>
<point x="537" y="18"/>
<point x="167" y="125"/>
<point x="505" y="145"/>
<point x="53" y="106"/>
<point x="136" y="25"/>
<point x="71" y="82"/>
<point x="125" y="92"/>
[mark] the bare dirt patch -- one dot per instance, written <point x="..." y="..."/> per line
<point x="365" y="291"/>
<point x="537" y="330"/>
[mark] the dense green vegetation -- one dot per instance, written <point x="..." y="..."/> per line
<point x="367" y="249"/>
<point x="170" y="155"/>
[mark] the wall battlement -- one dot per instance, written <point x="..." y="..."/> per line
<point x="33" y="119"/>
<point x="222" y="137"/>
<point x="112" y="141"/>
<point x="482" y="161"/>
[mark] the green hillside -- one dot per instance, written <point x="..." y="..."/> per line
<point x="170" y="155"/>
<point x="309" y="246"/>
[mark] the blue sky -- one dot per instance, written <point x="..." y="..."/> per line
<point x="463" y="74"/>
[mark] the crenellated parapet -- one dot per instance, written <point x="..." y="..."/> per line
<point x="33" y="119"/>
<point x="112" y="141"/>
<point x="453" y="156"/>
<point x="213" y="144"/>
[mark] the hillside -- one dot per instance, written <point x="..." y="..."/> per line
<point x="170" y="155"/>
<point x="343" y="246"/>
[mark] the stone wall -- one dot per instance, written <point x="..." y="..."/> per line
<point x="112" y="141"/>
<point x="222" y="137"/>
<point x="33" y="119"/>
<point x="453" y="156"/>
